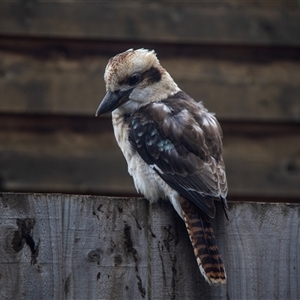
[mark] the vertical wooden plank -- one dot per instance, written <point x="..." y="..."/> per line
<point x="30" y="273"/>
<point x="88" y="248"/>
<point x="105" y="245"/>
<point x="262" y="251"/>
<point x="174" y="271"/>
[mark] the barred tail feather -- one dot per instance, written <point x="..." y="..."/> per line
<point x="204" y="243"/>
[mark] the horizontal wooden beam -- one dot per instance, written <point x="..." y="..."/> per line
<point x="79" y="154"/>
<point x="179" y="22"/>
<point x="65" y="78"/>
<point x="70" y="246"/>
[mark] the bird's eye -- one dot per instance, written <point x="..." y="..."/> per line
<point x="134" y="79"/>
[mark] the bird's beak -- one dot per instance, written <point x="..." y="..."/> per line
<point x="112" y="100"/>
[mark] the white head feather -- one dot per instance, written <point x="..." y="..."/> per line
<point x="154" y="83"/>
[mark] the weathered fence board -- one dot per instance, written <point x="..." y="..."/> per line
<point x="80" y="155"/>
<point x="160" y="21"/>
<point x="82" y="247"/>
<point x="236" y="90"/>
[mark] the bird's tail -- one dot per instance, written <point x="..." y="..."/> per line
<point x="204" y="243"/>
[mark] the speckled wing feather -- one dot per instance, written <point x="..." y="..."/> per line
<point x="183" y="143"/>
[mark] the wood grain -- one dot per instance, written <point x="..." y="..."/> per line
<point x="234" y="90"/>
<point x="80" y="155"/>
<point x="88" y="246"/>
<point x="164" y="21"/>
<point x="61" y="155"/>
<point x="82" y="249"/>
<point x="262" y="159"/>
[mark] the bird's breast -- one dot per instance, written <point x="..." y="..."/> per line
<point x="146" y="180"/>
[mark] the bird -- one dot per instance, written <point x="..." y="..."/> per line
<point x="172" y="145"/>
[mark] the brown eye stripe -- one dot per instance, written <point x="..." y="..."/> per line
<point x="152" y="75"/>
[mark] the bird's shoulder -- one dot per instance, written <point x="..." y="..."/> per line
<point x="181" y="121"/>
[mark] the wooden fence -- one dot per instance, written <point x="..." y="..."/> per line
<point x="55" y="246"/>
<point x="241" y="58"/>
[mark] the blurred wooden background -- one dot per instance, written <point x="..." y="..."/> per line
<point x="241" y="58"/>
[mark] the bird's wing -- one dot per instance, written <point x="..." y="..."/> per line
<point x="183" y="143"/>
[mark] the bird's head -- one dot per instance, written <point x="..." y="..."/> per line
<point x="134" y="78"/>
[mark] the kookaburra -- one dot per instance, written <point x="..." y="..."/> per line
<point x="172" y="145"/>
